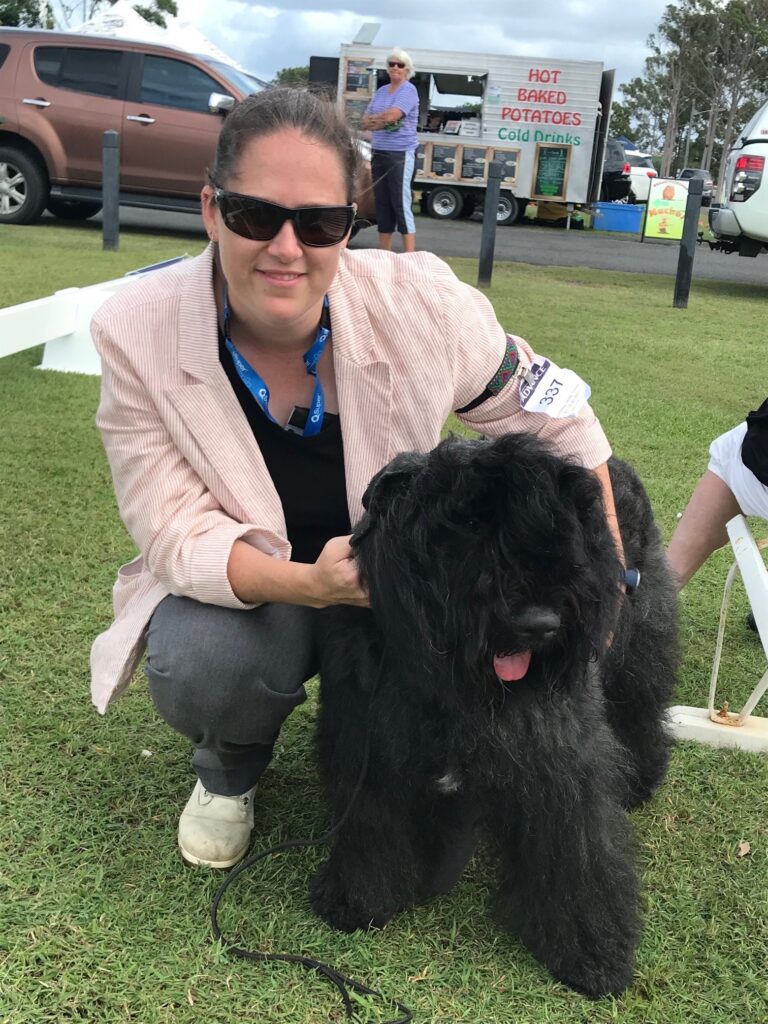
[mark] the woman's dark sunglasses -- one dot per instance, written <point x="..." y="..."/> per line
<point x="260" y="221"/>
<point x="395" y="64"/>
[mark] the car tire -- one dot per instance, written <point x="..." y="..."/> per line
<point x="444" y="203"/>
<point x="508" y="209"/>
<point x="23" y="187"/>
<point x="73" y="209"/>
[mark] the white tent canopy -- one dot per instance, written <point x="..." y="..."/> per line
<point x="122" y="21"/>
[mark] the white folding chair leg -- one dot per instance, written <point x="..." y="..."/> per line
<point x="753" y="572"/>
<point x="721" y="727"/>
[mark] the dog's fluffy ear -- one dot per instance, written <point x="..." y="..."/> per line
<point x="392" y="480"/>
<point x="581" y="488"/>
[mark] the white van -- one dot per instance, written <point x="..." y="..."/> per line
<point x="739" y="218"/>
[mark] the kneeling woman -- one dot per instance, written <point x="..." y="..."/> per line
<point x="248" y="396"/>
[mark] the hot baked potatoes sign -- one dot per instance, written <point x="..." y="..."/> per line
<point x="665" y="212"/>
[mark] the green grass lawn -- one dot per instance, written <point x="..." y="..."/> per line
<point x="102" y="923"/>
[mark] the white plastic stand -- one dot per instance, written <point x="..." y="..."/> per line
<point x="721" y="727"/>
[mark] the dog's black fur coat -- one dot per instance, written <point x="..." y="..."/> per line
<point x="478" y="549"/>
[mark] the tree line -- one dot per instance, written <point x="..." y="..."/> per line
<point x="705" y="76"/>
<point x="40" y="14"/>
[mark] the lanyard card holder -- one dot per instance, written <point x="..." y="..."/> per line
<point x="297" y="421"/>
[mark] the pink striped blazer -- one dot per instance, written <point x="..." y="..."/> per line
<point x="411" y="343"/>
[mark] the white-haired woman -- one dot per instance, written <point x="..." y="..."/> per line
<point x="392" y="116"/>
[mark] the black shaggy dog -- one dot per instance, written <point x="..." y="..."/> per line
<point x="484" y="696"/>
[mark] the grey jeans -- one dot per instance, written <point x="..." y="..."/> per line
<point x="227" y="680"/>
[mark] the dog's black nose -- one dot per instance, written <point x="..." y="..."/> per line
<point x="538" y="623"/>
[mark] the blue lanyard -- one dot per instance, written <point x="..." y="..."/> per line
<point x="256" y="384"/>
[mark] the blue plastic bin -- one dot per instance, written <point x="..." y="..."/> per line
<point x="618" y="217"/>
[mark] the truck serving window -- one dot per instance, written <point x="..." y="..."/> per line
<point x="451" y="103"/>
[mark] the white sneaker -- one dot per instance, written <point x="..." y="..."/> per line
<point x="215" y="830"/>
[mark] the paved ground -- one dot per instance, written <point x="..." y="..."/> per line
<point x="557" y="247"/>
<point x="537" y="245"/>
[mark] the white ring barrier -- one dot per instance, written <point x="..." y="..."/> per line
<point x="62" y="322"/>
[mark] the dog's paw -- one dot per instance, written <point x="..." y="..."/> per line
<point x="642" y="783"/>
<point x="595" y="980"/>
<point x="344" y="906"/>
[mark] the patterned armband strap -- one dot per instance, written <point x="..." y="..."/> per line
<point x="506" y="371"/>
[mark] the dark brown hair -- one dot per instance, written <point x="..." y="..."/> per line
<point x="272" y="111"/>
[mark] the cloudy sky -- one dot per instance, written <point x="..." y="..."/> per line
<point x="266" y="38"/>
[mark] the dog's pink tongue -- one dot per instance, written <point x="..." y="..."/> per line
<point x="511" y="666"/>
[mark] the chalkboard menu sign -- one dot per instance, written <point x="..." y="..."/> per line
<point x="473" y="162"/>
<point x="443" y="161"/>
<point x="550" y="172"/>
<point x="508" y="160"/>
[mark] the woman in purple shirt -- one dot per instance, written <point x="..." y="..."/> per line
<point x="391" y="116"/>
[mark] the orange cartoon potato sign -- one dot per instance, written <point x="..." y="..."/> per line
<point x="665" y="211"/>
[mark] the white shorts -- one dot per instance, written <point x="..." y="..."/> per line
<point x="725" y="462"/>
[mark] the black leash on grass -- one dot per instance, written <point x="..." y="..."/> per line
<point x="342" y="983"/>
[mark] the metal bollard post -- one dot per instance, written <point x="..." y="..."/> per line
<point x="688" y="244"/>
<point x="488" y="237"/>
<point x="110" y="191"/>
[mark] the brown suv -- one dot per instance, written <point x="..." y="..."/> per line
<point x="59" y="92"/>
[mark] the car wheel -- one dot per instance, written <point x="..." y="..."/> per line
<point x="23" y="187"/>
<point x="508" y="209"/>
<point x="73" y="209"/>
<point x="444" y="202"/>
<point x="631" y="198"/>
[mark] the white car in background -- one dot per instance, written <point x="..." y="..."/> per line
<point x="739" y="218"/>
<point x="641" y="170"/>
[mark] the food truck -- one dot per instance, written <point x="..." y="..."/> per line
<point x="544" y="120"/>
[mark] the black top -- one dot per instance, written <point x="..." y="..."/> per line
<point x="308" y="472"/>
<point x="754" y="448"/>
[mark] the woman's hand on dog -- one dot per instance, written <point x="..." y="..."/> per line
<point x="256" y="577"/>
<point x="334" y="579"/>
